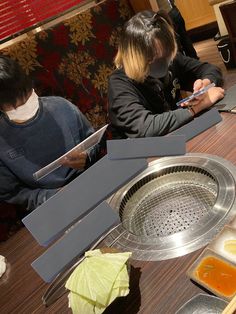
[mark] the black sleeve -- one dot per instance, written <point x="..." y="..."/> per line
<point x="188" y="70"/>
<point x="130" y="117"/>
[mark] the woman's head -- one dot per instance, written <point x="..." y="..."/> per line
<point x="15" y="85"/>
<point x="147" y="36"/>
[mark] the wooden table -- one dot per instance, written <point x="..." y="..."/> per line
<point x="155" y="287"/>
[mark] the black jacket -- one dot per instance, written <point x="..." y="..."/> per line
<point x="149" y="108"/>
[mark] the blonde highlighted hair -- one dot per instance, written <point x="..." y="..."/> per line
<point x="146" y="36"/>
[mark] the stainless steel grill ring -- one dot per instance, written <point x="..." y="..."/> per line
<point x="174" y="207"/>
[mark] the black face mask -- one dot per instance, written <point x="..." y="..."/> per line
<point x="159" y="68"/>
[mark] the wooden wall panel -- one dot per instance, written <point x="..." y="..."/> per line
<point x="196" y="13"/>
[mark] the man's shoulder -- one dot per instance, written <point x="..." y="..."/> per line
<point x="54" y="100"/>
<point x="57" y="103"/>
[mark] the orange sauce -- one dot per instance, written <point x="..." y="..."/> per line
<point x="217" y="275"/>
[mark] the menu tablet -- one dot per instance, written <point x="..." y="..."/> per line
<point x="88" y="143"/>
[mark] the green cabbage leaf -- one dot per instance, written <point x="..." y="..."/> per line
<point x="98" y="281"/>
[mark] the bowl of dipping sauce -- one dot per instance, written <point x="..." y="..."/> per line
<point x="214" y="273"/>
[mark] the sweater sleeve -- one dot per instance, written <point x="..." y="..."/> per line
<point x="13" y="191"/>
<point x="128" y="114"/>
<point x="189" y="70"/>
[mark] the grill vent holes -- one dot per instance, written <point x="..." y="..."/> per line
<point x="168" y="201"/>
<point x="174" y="207"/>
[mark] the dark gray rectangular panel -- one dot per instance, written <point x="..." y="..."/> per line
<point x="199" y="124"/>
<point x="228" y="103"/>
<point x="146" y="147"/>
<point x="80" y="196"/>
<point x="75" y="242"/>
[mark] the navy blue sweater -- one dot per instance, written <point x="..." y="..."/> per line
<point x="25" y="148"/>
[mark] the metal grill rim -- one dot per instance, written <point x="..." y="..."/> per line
<point x="142" y="220"/>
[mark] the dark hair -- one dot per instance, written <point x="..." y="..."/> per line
<point x="14" y="83"/>
<point x="137" y="47"/>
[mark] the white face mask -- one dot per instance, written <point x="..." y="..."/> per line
<point x="26" y="111"/>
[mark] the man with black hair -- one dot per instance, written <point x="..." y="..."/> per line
<point x="35" y="131"/>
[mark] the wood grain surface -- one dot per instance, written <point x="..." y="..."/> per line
<point x="155" y="287"/>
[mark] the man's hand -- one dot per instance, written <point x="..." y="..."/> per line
<point x="75" y="160"/>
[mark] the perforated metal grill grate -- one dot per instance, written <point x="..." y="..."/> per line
<point x="174" y="207"/>
<point x="168" y="202"/>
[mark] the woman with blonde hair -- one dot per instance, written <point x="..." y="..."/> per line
<point x="144" y="89"/>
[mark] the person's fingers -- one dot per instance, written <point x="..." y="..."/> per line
<point x="194" y="102"/>
<point x="76" y="164"/>
<point x="76" y="160"/>
<point x="76" y="155"/>
<point x="198" y="84"/>
<point x="221" y="90"/>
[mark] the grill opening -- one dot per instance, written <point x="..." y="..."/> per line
<point x="174" y="207"/>
<point x="168" y="201"/>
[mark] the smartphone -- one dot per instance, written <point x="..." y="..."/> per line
<point x="198" y="93"/>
